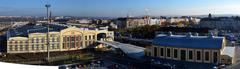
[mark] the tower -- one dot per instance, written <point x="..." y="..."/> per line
<point x="209" y="15"/>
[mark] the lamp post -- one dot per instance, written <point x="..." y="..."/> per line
<point x="48" y="22"/>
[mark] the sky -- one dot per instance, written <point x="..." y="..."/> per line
<point x="118" y="8"/>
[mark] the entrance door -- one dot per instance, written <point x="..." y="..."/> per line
<point x="183" y="54"/>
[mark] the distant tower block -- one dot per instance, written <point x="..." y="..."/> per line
<point x="209" y="15"/>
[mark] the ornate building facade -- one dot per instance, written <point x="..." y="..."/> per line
<point x="70" y="38"/>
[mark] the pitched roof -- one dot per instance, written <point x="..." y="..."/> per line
<point x="202" y="42"/>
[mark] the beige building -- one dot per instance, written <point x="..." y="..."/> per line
<point x="69" y="38"/>
<point x="203" y="49"/>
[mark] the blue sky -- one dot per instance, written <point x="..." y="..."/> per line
<point x="117" y="8"/>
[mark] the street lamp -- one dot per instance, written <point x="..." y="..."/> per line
<point x="47" y="5"/>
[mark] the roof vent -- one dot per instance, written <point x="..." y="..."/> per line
<point x="170" y="33"/>
<point x="189" y="34"/>
<point x="211" y="35"/>
<point x="196" y="34"/>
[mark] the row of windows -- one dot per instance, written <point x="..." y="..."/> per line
<point x="18" y="42"/>
<point x="18" y="48"/>
<point x="41" y="40"/>
<point x="184" y="54"/>
<point x="71" y="38"/>
<point x="33" y="47"/>
<point x="72" y="45"/>
<point x="90" y="37"/>
<point x="43" y="47"/>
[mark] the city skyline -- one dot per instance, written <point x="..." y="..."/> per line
<point x="117" y="8"/>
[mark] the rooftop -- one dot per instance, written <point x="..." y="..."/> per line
<point x="181" y="41"/>
<point x="38" y="28"/>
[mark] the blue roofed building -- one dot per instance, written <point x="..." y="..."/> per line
<point x="202" y="49"/>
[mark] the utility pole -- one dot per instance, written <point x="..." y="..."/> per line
<point x="48" y="22"/>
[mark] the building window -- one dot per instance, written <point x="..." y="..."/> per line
<point x="58" y="46"/>
<point x="77" y="44"/>
<point x="90" y="37"/>
<point x="68" y="38"/>
<point x="175" y="53"/>
<point x="43" y="40"/>
<point x="85" y="37"/>
<point x="93" y="37"/>
<point x="53" y="47"/>
<point x="162" y="51"/>
<point x="37" y="40"/>
<point x="37" y="47"/>
<point x="64" y="39"/>
<point x="190" y="55"/>
<point x="32" y="47"/>
<point x="215" y="57"/>
<point x="72" y="38"/>
<point x="16" y="48"/>
<point x="168" y="52"/>
<point x="86" y="43"/>
<point x="53" y="40"/>
<point x="58" y="39"/>
<point x="198" y="55"/>
<point x="26" y="47"/>
<point x="32" y="40"/>
<point x="43" y="47"/>
<point x="155" y="51"/>
<point x="10" y="48"/>
<point x="90" y="42"/>
<point x="20" y="42"/>
<point x="16" y="42"/>
<point x="21" y="47"/>
<point x="183" y="54"/>
<point x="72" y="45"/>
<point x="9" y="42"/>
<point x="64" y="45"/>
<point x="207" y="56"/>
<point x="77" y="38"/>
<point x="69" y="45"/>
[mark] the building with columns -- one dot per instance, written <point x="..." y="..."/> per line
<point x="202" y="49"/>
<point x="32" y="39"/>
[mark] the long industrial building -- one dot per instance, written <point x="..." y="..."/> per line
<point x="202" y="49"/>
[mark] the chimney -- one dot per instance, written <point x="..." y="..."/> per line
<point x="170" y="33"/>
<point x="210" y="35"/>
<point x="189" y="34"/>
<point x="196" y="34"/>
